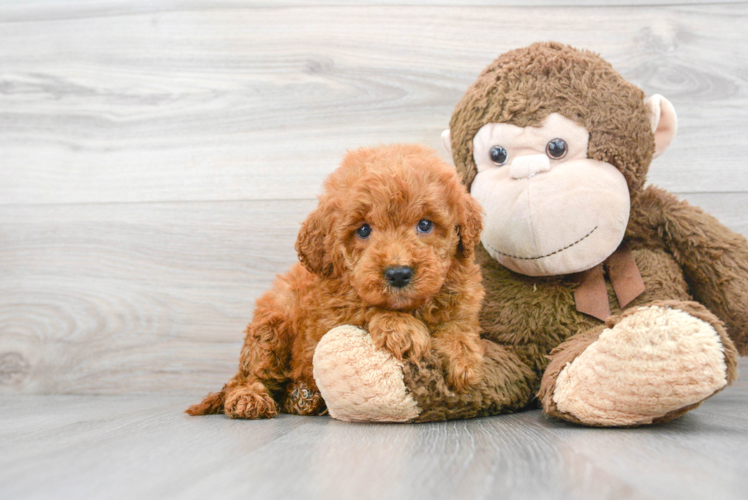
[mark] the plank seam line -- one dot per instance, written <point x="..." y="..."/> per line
<point x="301" y="5"/>
<point x="151" y="202"/>
<point x="248" y="200"/>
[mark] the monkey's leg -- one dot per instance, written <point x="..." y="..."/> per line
<point x="362" y="383"/>
<point x="651" y="364"/>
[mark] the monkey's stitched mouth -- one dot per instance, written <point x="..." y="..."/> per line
<point x="546" y="255"/>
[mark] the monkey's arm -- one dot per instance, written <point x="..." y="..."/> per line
<point x="509" y="381"/>
<point x="361" y="382"/>
<point x="714" y="258"/>
<point x="507" y="386"/>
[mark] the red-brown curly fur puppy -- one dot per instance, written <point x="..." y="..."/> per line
<point x="389" y="249"/>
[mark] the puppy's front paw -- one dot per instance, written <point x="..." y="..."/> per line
<point x="464" y="372"/>
<point x="250" y="401"/>
<point x="463" y="362"/>
<point x="401" y="334"/>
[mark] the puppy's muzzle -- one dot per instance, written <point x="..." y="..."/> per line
<point x="398" y="276"/>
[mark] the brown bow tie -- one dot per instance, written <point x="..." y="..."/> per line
<point x="591" y="296"/>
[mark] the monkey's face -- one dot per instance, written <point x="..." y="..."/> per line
<point x="549" y="208"/>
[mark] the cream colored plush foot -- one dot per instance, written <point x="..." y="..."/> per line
<point x="653" y="362"/>
<point x="359" y="382"/>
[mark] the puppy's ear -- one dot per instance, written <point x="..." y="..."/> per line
<point x="314" y="241"/>
<point x="471" y="225"/>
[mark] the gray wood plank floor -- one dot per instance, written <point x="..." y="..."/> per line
<point x="95" y="447"/>
<point x="156" y="159"/>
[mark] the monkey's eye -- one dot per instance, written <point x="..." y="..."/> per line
<point x="424" y="226"/>
<point x="498" y="155"/>
<point x="556" y="149"/>
<point x="364" y="231"/>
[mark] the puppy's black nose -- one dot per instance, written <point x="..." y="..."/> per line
<point x="398" y="276"/>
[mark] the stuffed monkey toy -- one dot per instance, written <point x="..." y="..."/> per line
<point x="608" y="302"/>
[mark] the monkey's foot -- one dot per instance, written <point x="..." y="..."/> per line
<point x="653" y="365"/>
<point x="359" y="382"/>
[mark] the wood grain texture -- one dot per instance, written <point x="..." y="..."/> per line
<point x="144" y="447"/>
<point x="24" y="10"/>
<point x="120" y="298"/>
<point x="125" y="102"/>
<point x="134" y="297"/>
<point x="156" y="158"/>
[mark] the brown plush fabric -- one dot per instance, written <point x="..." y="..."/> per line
<point x="529" y="316"/>
<point x="563" y="354"/>
<point x="523" y="86"/>
<point x="507" y="384"/>
<point x="682" y="253"/>
<point x="713" y="258"/>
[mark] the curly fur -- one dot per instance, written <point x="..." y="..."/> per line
<point x="340" y="280"/>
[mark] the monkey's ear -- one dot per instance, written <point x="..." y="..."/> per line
<point x="313" y="240"/>
<point x="447" y="141"/>
<point x="664" y="122"/>
<point x="471" y="226"/>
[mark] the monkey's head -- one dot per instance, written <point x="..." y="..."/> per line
<point x="555" y="145"/>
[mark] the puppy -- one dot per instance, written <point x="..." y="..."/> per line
<point x="389" y="249"/>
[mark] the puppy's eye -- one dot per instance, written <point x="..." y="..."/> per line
<point x="424" y="226"/>
<point x="364" y="231"/>
<point x="556" y="149"/>
<point x="498" y="155"/>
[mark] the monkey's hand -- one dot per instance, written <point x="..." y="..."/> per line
<point x="462" y="353"/>
<point x="401" y="334"/>
<point x="714" y="259"/>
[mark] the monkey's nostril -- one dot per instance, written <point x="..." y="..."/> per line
<point x="398" y="276"/>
